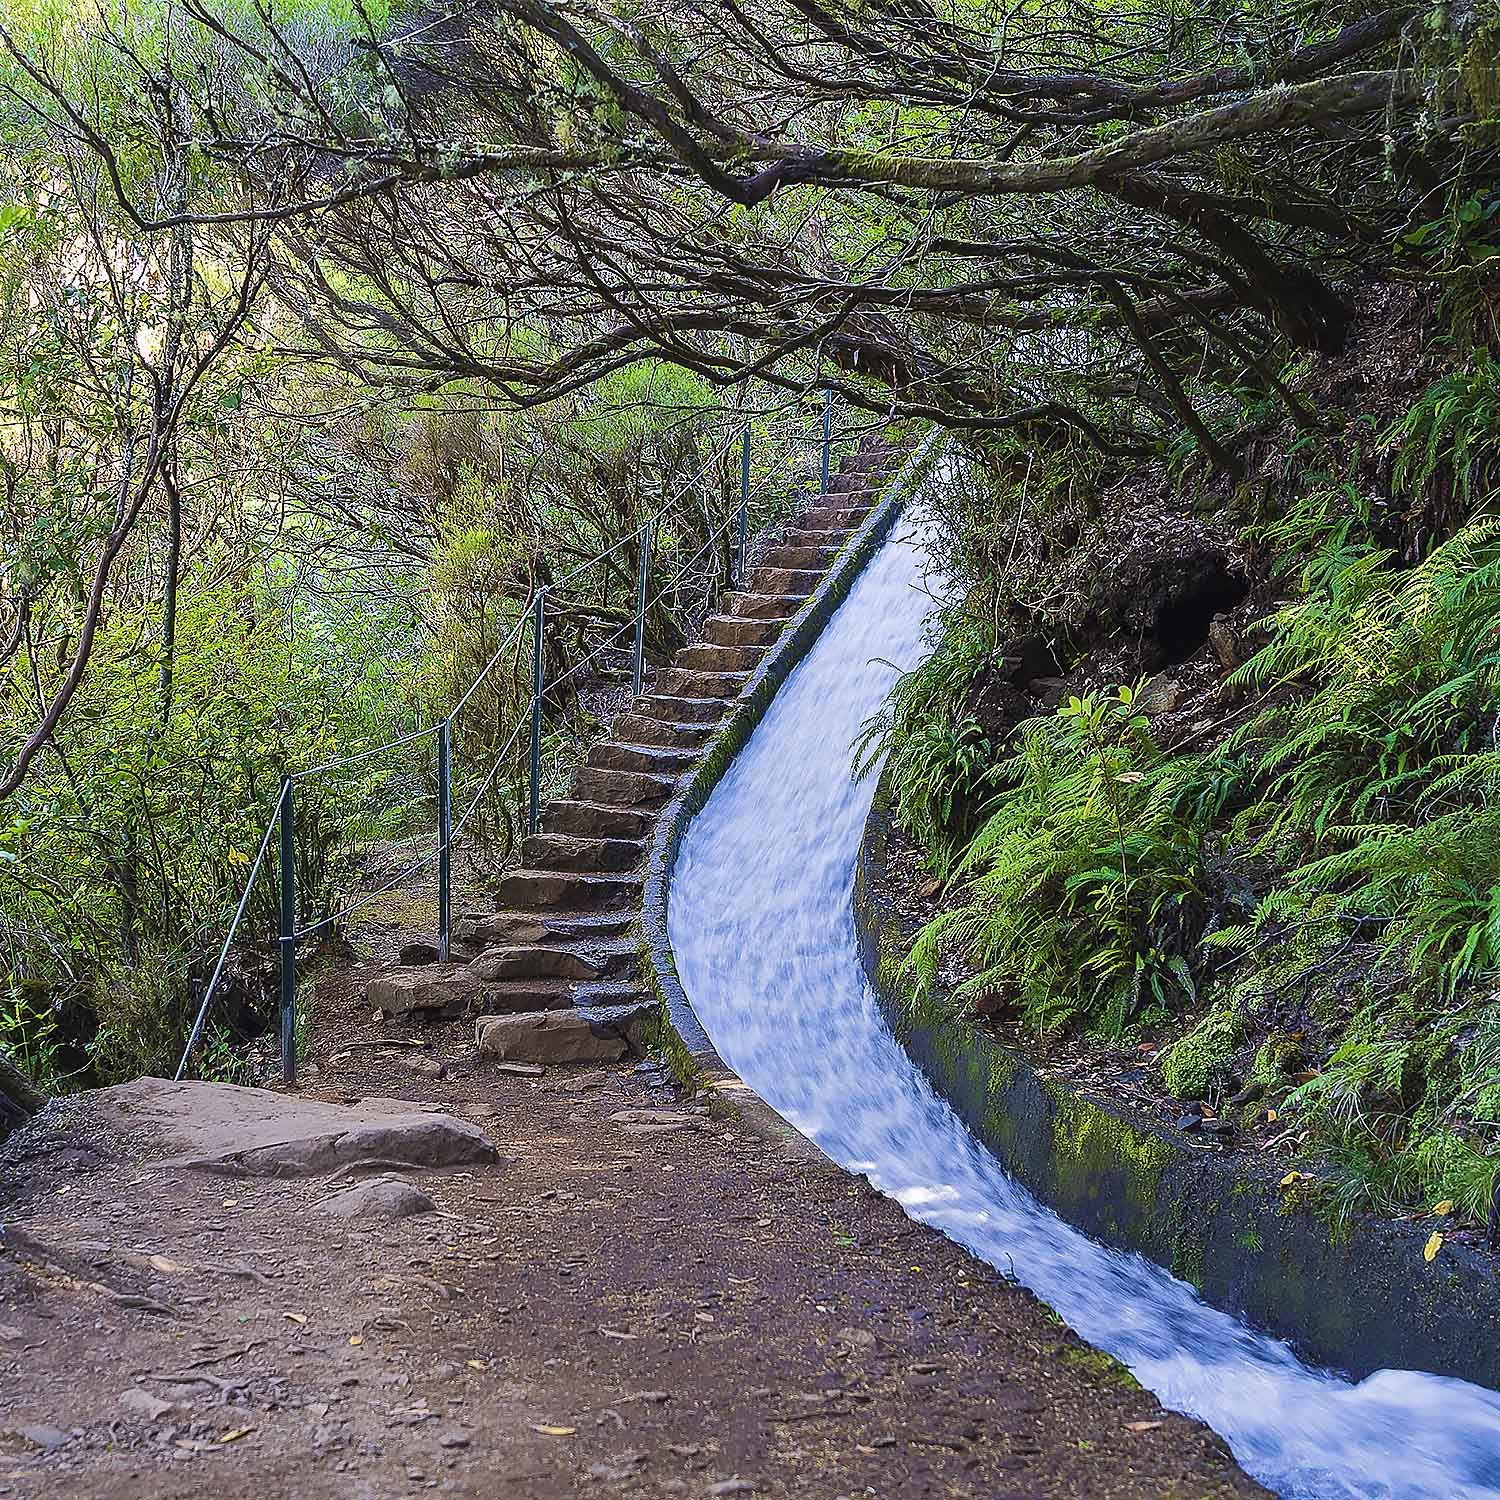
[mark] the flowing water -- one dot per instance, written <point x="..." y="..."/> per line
<point x="761" y="921"/>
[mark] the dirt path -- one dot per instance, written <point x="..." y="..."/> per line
<point x="611" y="1308"/>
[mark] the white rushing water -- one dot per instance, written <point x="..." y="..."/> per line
<point x="761" y="921"/>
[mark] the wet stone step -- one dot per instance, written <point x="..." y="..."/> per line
<point x="596" y="820"/>
<point x="509" y="996"/>
<point x="800" y="556"/>
<point x="717" y="659"/>
<point x="548" y="888"/>
<point x="564" y="851"/>
<point x="707" y="711"/>
<point x="620" y="788"/>
<point x="706" y="684"/>
<point x="610" y="755"/>
<point x="832" y="516"/>
<point x="744" y="606"/>
<point x="664" y="734"/>
<point x="497" y="929"/>
<point x="534" y="963"/>
<point x="730" y="630"/>
<point x="795" y="583"/>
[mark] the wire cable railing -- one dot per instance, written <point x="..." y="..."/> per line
<point x="282" y="826"/>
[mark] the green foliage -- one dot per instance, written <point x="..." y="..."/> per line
<point x="940" y="763"/>
<point x="1086" y="879"/>
<point x="1452" y="430"/>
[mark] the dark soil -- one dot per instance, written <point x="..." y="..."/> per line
<point x="604" y="1311"/>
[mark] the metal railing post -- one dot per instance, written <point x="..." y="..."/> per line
<point x="638" y="676"/>
<point x="827" y="437"/>
<point x="445" y="835"/>
<point x="538" y="684"/>
<point x="744" y="518"/>
<point x="288" y="936"/>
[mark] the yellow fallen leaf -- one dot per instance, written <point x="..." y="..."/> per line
<point x="230" y="1203"/>
<point x="298" y="1318"/>
<point x="235" y="1434"/>
<point x="477" y="1364"/>
<point x="1433" y="1245"/>
<point x="1290" y="1178"/>
<point x="356" y="1340"/>
<point x="1443" y="1209"/>
<point x="1141" y="1426"/>
<point x="553" y="1431"/>
<point x="1271" y="1117"/>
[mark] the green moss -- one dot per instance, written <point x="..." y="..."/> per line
<point x="1200" y="1060"/>
<point x="1103" y="1367"/>
<point x="1278" y="1055"/>
<point x="1093" y="1148"/>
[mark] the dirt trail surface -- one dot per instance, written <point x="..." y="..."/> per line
<point x="633" y="1295"/>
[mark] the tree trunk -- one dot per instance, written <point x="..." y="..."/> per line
<point x="19" y="1100"/>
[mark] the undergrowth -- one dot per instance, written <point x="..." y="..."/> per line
<point x="1310" y="897"/>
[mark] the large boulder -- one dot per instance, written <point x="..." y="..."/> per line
<point x="548" y="1036"/>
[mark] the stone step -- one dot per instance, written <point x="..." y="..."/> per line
<point x="730" y="630"/>
<point x="800" y="556"/>
<point x="591" y="993"/>
<point x="820" y="536"/>
<point x="502" y="928"/>
<point x="746" y="606"/>
<point x="682" y="710"/>
<point x="795" y="583"/>
<point x="833" y="516"/>
<point x="501" y="964"/>
<point x="721" y="685"/>
<point x="613" y="755"/>
<point x="614" y="960"/>
<point x="596" y="820"/>
<point x="710" y="658"/>
<point x="620" y="788"/>
<point x="662" y="734"/>
<point x="436" y="989"/>
<point x="539" y="889"/>
<point x="549" y="1037"/>
<point x="566" y="851"/>
<point x="522" y="996"/>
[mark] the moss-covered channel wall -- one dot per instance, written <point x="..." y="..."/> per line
<point x="1357" y="1297"/>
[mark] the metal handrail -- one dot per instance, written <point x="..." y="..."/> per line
<point x="534" y="614"/>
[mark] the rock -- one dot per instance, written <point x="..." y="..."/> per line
<point x="426" y="1067"/>
<point x="43" y="1437"/>
<point x="520" y="1070"/>
<point x="732" y="1487"/>
<point x="857" y="1338"/>
<point x="9" y="1332"/>
<point x="1247" y="1095"/>
<point x="547" y="1036"/>
<point x="454" y="1440"/>
<point x="437" y="987"/>
<point x="143" y="1404"/>
<point x="1190" y="1122"/>
<point x="240" y="1132"/>
<point x="1221" y="1128"/>
<point x="652" y="1121"/>
<point x="1159" y="695"/>
<point x="381" y="1197"/>
<point x="419" y="951"/>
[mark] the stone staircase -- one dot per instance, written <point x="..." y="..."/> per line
<point x="552" y="974"/>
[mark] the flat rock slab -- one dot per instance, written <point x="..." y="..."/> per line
<point x="382" y="1197"/>
<point x="548" y="1036"/>
<point x="240" y="1132"/>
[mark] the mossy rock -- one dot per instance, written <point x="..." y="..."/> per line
<point x="1200" y="1061"/>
